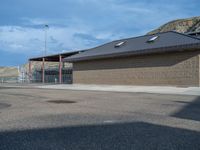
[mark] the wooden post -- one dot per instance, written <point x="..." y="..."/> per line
<point x="29" y="71"/>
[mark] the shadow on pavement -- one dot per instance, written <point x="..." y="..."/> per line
<point x="190" y="111"/>
<point x="125" y="136"/>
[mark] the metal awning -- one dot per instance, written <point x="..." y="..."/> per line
<point x="54" y="58"/>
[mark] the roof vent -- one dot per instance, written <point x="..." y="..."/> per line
<point x="152" y="39"/>
<point x="120" y="44"/>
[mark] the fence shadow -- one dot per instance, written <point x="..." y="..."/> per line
<point x="125" y="136"/>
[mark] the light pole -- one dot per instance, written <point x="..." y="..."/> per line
<point x="46" y="27"/>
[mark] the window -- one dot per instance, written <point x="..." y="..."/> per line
<point x="120" y="44"/>
<point x="152" y="39"/>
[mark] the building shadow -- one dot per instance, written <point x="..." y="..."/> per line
<point x="190" y="111"/>
<point x="124" y="136"/>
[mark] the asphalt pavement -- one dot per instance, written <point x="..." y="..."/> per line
<point x="52" y="119"/>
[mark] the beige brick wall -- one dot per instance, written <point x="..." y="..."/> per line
<point x="175" y="69"/>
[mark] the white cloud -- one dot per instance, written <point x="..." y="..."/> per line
<point x="30" y="40"/>
<point x="34" y="21"/>
<point x="19" y="40"/>
<point x="98" y="21"/>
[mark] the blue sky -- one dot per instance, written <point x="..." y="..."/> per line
<point x="79" y="24"/>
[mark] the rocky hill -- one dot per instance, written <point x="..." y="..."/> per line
<point x="180" y="25"/>
<point x="8" y="72"/>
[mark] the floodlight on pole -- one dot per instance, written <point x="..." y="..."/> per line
<point x="46" y="27"/>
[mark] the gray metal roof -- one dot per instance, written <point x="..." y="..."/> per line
<point x="194" y="34"/>
<point x="168" y="41"/>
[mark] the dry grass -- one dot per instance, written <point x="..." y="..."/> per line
<point x="8" y="71"/>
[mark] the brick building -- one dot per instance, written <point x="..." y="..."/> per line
<point x="168" y="58"/>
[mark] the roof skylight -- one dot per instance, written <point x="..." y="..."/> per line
<point x="120" y="43"/>
<point x="152" y="39"/>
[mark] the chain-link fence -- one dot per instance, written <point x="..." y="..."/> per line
<point x="52" y="75"/>
<point x="9" y="80"/>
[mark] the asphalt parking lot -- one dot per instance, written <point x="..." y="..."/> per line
<point x="32" y="119"/>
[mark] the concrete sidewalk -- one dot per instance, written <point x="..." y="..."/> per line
<point x="134" y="89"/>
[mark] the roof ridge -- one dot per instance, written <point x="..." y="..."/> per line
<point x="123" y="39"/>
<point x="146" y="35"/>
<point x="186" y="35"/>
<point x="158" y="33"/>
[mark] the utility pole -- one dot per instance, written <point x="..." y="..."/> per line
<point x="46" y="27"/>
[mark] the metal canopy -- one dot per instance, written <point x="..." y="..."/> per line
<point x="54" y="58"/>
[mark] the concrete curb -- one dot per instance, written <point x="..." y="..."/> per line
<point x="121" y="88"/>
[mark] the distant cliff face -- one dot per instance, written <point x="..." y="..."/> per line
<point x="180" y="25"/>
<point x="8" y="72"/>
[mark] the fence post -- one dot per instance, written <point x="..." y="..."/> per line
<point x="30" y="72"/>
<point x="43" y="70"/>
<point x="60" y="69"/>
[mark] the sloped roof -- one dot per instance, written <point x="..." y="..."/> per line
<point x="55" y="57"/>
<point x="168" y="41"/>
